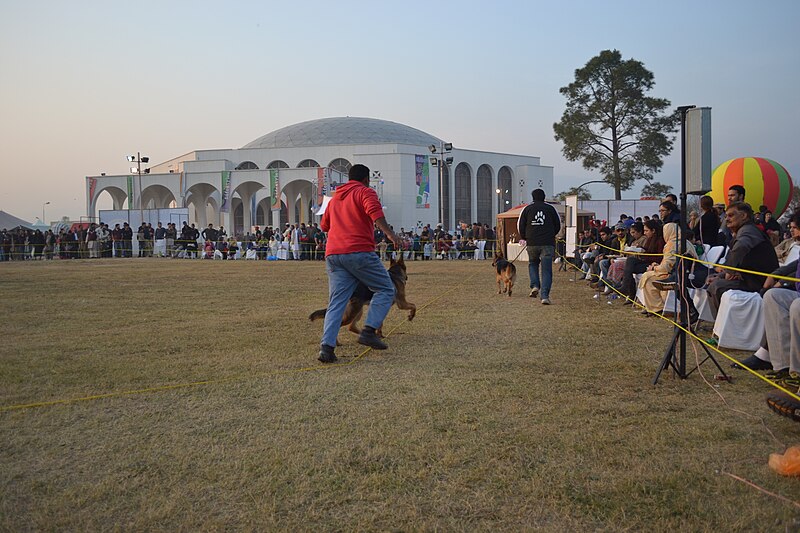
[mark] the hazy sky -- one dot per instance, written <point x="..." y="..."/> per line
<point x="82" y="84"/>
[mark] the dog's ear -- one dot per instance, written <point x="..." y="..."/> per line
<point x="400" y="260"/>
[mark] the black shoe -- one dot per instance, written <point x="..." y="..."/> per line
<point x="753" y="363"/>
<point x="369" y="338"/>
<point x="665" y="285"/>
<point x="326" y="354"/>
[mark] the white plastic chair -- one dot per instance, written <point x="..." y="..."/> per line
<point x="740" y="320"/>
<point x="700" y="296"/>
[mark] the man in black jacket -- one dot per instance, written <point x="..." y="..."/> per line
<point x="538" y="225"/>
<point x="750" y="250"/>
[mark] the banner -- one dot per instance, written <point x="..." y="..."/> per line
<point x="322" y="178"/>
<point x="130" y="192"/>
<point x="92" y="188"/>
<point x="423" y="182"/>
<point x="225" y="205"/>
<point x="274" y="188"/>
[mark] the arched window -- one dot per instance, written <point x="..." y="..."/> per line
<point x="484" y="191"/>
<point x="307" y="163"/>
<point x="278" y="164"/>
<point x="504" y="179"/>
<point x="340" y="164"/>
<point x="247" y="165"/>
<point x="463" y="194"/>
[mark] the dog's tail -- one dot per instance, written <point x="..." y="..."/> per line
<point x="316" y="315"/>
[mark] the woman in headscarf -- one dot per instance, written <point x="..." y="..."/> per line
<point x="652" y="296"/>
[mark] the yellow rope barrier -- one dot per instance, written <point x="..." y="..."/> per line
<point x="694" y="336"/>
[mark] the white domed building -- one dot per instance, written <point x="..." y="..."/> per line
<point x="283" y="176"/>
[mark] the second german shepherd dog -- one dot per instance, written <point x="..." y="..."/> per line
<point x="506" y="273"/>
<point x="362" y="296"/>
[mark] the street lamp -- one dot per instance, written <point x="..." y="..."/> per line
<point x="443" y="150"/>
<point x="139" y="159"/>
<point x="43" y="219"/>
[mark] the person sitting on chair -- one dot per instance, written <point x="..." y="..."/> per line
<point x="604" y="248"/>
<point x="750" y="250"/>
<point x="651" y="294"/>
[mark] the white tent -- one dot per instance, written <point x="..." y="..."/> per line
<point x="9" y="221"/>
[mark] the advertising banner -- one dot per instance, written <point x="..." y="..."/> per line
<point x="130" y="192"/>
<point x="322" y="178"/>
<point x="225" y="205"/>
<point x="274" y="188"/>
<point x="423" y="182"/>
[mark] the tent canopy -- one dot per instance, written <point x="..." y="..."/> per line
<point x="9" y="221"/>
<point x="507" y="222"/>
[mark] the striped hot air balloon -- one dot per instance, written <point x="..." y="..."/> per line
<point x="765" y="182"/>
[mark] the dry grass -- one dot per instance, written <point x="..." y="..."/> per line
<point x="486" y="413"/>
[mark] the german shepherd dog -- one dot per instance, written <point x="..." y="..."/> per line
<point x="506" y="273"/>
<point x="362" y="296"/>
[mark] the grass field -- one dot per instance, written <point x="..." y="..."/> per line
<point x="486" y="412"/>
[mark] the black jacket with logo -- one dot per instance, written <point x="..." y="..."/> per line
<point x="539" y="224"/>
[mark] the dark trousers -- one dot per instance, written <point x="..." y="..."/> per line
<point x="633" y="265"/>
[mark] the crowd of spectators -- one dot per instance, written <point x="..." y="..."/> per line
<point x="301" y="242"/>
<point x="753" y="242"/>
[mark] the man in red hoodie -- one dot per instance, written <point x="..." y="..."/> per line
<point x="350" y="258"/>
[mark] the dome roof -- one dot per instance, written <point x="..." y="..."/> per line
<point x="343" y="130"/>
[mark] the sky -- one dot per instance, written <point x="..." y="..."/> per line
<point x="85" y="83"/>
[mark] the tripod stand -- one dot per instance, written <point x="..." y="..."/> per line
<point x="675" y="354"/>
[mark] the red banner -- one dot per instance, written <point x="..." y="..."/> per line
<point x="322" y="174"/>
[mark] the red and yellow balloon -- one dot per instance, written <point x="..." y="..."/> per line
<point x="765" y="182"/>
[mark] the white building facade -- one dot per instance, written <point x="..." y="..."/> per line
<point x="282" y="177"/>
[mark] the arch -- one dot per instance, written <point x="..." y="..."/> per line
<point x="119" y="198"/>
<point x="237" y="217"/>
<point x="157" y="197"/>
<point x="104" y="201"/>
<point x="340" y="164"/>
<point x="307" y="163"/>
<point x="463" y="190"/>
<point x="504" y="179"/>
<point x="278" y="164"/>
<point x="246" y="165"/>
<point x="483" y="192"/>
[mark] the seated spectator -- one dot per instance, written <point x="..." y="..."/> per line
<point x="785" y="247"/>
<point x="589" y="250"/>
<point x="637" y="264"/>
<point x="603" y="248"/>
<point x="585" y="241"/>
<point x="208" y="250"/>
<point x="620" y="242"/>
<point x="708" y="224"/>
<point x="669" y="212"/>
<point x="651" y="294"/>
<point x="771" y="228"/>
<point x="782" y="323"/>
<point x="750" y="250"/>
<point x="233" y="248"/>
<point x="617" y="269"/>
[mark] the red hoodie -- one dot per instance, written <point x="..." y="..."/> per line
<point x="349" y="219"/>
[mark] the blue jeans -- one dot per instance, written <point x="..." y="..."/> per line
<point x="541" y="255"/>
<point x="344" y="273"/>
